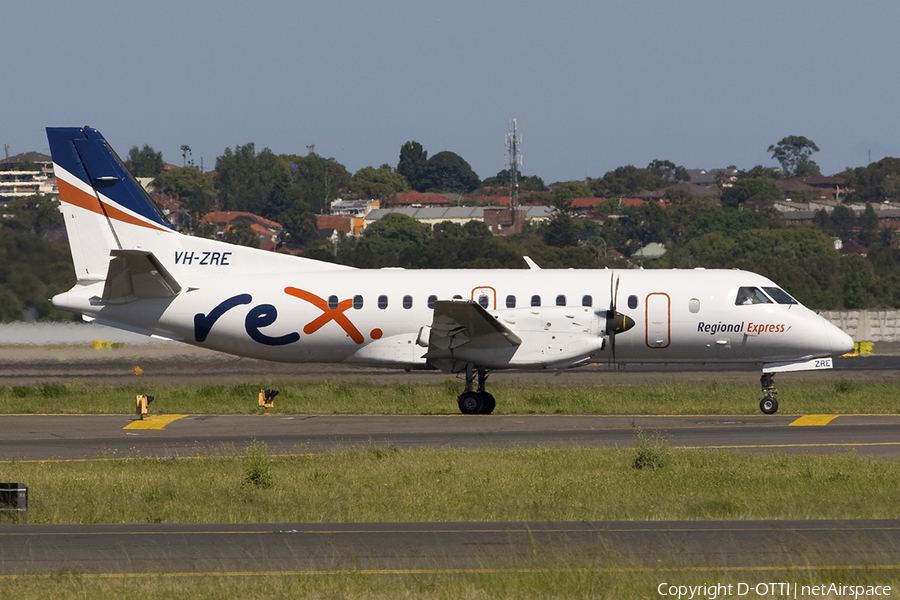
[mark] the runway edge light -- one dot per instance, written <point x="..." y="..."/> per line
<point x="267" y="398"/>
<point x="142" y="404"/>
<point x="13" y="497"/>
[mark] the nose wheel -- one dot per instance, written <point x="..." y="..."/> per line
<point x="768" y="404"/>
<point x="478" y="402"/>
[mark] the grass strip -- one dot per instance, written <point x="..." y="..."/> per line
<point x="561" y="483"/>
<point x="550" y="584"/>
<point x="347" y="397"/>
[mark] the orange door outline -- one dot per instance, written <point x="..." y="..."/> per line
<point x="657" y="314"/>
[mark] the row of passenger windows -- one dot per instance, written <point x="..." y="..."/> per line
<point x="483" y="300"/>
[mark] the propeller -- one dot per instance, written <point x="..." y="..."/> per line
<point x="616" y="322"/>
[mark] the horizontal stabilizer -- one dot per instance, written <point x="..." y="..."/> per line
<point x="134" y="275"/>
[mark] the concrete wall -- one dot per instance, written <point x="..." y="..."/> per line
<point x="867" y="325"/>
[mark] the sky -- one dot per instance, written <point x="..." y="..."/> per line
<point x="593" y="84"/>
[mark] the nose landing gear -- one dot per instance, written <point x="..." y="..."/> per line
<point x="476" y="402"/>
<point x="768" y="404"/>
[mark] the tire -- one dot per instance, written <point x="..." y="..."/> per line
<point x="768" y="405"/>
<point x="471" y="403"/>
<point x="489" y="403"/>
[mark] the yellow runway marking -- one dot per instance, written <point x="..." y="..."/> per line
<point x="154" y="422"/>
<point x="814" y="420"/>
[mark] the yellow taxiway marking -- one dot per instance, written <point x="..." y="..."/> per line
<point x="154" y="422"/>
<point x="814" y="420"/>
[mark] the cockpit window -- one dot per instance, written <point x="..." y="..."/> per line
<point x="780" y="296"/>
<point x="751" y="295"/>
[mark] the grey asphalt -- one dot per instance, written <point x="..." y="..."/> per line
<point x="41" y="437"/>
<point x="443" y="547"/>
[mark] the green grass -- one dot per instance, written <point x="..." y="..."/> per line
<point x="567" y="483"/>
<point x="608" y="397"/>
<point x="552" y="584"/>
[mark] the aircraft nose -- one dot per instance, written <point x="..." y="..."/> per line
<point x="840" y="342"/>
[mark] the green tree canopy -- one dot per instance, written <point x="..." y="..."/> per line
<point x="793" y="153"/>
<point x="413" y="164"/>
<point x="381" y="183"/>
<point x="191" y="188"/>
<point x="36" y="214"/>
<point x="251" y="182"/>
<point x="753" y="190"/>
<point x="144" y="162"/>
<point x="449" y="172"/>
<point x="624" y="181"/>
<point x="316" y="181"/>
<point x="527" y="183"/>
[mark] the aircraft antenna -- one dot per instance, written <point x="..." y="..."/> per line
<point x="513" y="160"/>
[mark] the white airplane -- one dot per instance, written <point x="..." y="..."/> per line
<point x="136" y="273"/>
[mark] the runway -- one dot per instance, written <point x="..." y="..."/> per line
<point x="423" y="548"/>
<point x="43" y="437"/>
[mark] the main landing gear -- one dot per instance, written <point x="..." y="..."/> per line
<point x="768" y="404"/>
<point x="472" y="402"/>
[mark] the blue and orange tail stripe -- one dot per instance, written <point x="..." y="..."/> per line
<point x="84" y="157"/>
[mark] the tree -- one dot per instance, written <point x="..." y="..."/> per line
<point x="561" y="230"/>
<point x="316" y="181"/>
<point x="668" y="171"/>
<point x="754" y="190"/>
<point x="144" y="162"/>
<point x="449" y="172"/>
<point x="627" y="180"/>
<point x="251" y="182"/>
<point x="527" y="183"/>
<point x="793" y="153"/>
<point x="242" y="234"/>
<point x="381" y="183"/>
<point x="565" y="192"/>
<point x="412" y="165"/>
<point x="33" y="214"/>
<point x="191" y="188"/>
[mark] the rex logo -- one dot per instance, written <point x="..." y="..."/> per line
<point x="264" y="315"/>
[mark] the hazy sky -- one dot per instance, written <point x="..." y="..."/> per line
<point x="594" y="84"/>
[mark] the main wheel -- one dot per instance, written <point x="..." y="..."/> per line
<point x="768" y="405"/>
<point x="489" y="403"/>
<point x="471" y="403"/>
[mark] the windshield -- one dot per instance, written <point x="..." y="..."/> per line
<point x="751" y="295"/>
<point x="780" y="296"/>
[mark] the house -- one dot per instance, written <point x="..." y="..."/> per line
<point x="826" y="188"/>
<point x="418" y="199"/>
<point x="16" y="183"/>
<point x="267" y="231"/>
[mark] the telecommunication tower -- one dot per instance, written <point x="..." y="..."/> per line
<point x="513" y="160"/>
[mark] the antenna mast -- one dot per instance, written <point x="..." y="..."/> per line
<point x="513" y="160"/>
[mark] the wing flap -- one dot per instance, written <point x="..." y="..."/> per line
<point x="462" y="331"/>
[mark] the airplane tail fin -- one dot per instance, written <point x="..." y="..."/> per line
<point x="105" y="208"/>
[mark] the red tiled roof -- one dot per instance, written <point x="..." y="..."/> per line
<point x="225" y="217"/>
<point x="586" y="202"/>
<point x="415" y="197"/>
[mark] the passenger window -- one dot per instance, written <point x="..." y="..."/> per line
<point x="510" y="302"/>
<point x="357" y="302"/>
<point x="431" y="300"/>
<point x="694" y="305"/>
<point x="483" y="301"/>
<point x="407" y="302"/>
<point x="587" y="301"/>
<point x="535" y="300"/>
<point x="751" y="295"/>
<point x="632" y="302"/>
<point x="561" y="300"/>
<point x="332" y="302"/>
<point x="780" y="296"/>
<point x="382" y="302"/>
<point x="457" y="297"/>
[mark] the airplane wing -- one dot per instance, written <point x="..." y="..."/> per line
<point x="136" y="274"/>
<point x="463" y="332"/>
